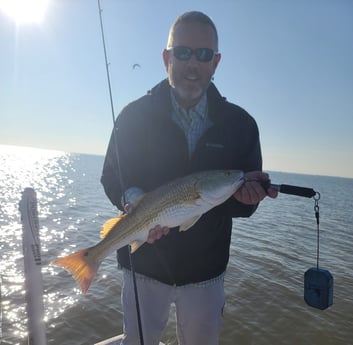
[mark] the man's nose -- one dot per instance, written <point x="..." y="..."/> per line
<point x="193" y="60"/>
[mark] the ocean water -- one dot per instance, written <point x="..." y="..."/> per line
<point x="264" y="283"/>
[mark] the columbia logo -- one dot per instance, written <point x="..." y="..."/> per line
<point x="215" y="145"/>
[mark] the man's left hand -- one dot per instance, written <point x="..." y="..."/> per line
<point x="252" y="192"/>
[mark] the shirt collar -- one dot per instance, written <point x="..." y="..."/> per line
<point x="200" y="109"/>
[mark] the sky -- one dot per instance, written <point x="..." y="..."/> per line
<point x="288" y="63"/>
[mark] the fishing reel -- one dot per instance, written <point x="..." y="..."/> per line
<point x="318" y="282"/>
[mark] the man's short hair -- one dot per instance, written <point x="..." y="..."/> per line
<point x="191" y="17"/>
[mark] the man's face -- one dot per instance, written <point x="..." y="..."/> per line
<point x="191" y="78"/>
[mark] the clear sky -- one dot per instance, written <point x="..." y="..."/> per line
<point x="288" y="63"/>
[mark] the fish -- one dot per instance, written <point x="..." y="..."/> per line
<point x="179" y="203"/>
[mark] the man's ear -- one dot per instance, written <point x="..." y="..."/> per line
<point x="165" y="55"/>
<point x="216" y="61"/>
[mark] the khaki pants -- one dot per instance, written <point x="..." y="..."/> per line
<point x="198" y="310"/>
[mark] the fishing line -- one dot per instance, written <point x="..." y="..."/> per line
<point x="115" y="141"/>
<point x="317" y="216"/>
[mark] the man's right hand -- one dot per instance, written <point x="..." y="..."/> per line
<point x="156" y="233"/>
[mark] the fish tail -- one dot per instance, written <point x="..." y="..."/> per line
<point x="81" y="265"/>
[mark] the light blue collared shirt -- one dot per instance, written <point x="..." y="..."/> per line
<point x="193" y="122"/>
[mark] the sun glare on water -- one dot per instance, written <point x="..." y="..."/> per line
<point x="25" y="11"/>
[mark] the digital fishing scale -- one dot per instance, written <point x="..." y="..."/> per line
<point x="318" y="282"/>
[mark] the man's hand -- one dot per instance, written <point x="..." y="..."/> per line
<point x="156" y="233"/>
<point x="251" y="192"/>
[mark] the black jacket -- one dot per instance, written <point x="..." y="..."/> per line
<point x="152" y="151"/>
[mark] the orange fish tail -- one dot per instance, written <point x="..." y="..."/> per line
<point x="81" y="266"/>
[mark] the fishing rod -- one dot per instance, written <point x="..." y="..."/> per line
<point x="115" y="140"/>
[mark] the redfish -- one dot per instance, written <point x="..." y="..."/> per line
<point x="178" y="203"/>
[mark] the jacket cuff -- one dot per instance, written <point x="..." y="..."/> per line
<point x="130" y="195"/>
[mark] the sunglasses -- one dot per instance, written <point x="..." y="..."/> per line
<point x="184" y="53"/>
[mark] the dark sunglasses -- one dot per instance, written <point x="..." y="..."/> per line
<point x="184" y="53"/>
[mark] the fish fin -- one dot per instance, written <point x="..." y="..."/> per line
<point x="81" y="269"/>
<point x="109" y="225"/>
<point x="136" y="245"/>
<point x="194" y="200"/>
<point x="189" y="223"/>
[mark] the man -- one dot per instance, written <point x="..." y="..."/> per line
<point x="181" y="126"/>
